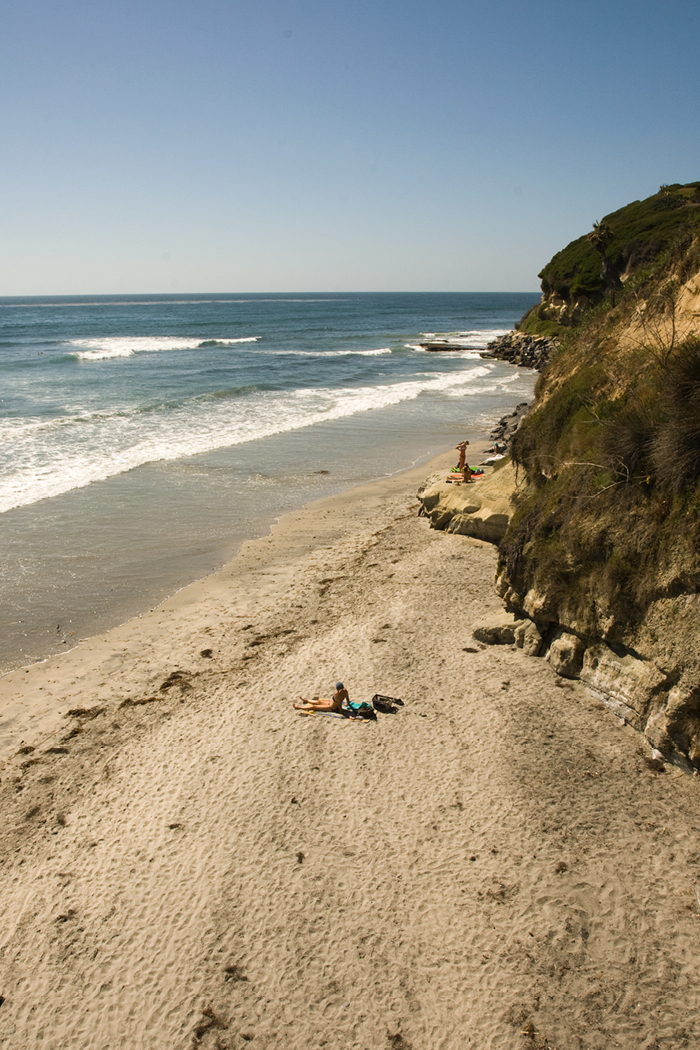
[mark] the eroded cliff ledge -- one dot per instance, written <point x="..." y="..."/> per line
<point x="482" y="509"/>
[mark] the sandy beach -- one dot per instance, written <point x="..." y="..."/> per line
<point x="189" y="862"/>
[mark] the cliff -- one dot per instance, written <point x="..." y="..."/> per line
<point x="622" y="251"/>
<point x="600" y="563"/>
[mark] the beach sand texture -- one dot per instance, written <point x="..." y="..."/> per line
<point x="191" y="863"/>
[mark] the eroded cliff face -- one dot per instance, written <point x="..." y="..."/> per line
<point x="603" y="552"/>
<point x="650" y="676"/>
<point x="599" y="566"/>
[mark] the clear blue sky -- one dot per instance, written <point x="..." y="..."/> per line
<point x="276" y="145"/>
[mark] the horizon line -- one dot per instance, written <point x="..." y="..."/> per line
<point x="178" y="295"/>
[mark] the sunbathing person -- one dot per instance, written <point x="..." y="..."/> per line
<point x="335" y="704"/>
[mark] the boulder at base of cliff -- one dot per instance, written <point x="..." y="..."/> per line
<point x="527" y="636"/>
<point x="505" y="628"/>
<point x="566" y="654"/>
<point x="497" y="629"/>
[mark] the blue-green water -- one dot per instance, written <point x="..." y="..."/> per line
<point x="144" y="437"/>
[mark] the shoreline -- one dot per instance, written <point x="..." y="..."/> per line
<point x="27" y="719"/>
<point x="128" y="605"/>
<point x="101" y="555"/>
<point x="148" y="491"/>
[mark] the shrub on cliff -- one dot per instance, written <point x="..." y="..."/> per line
<point x="648" y="433"/>
<point x="675" y="449"/>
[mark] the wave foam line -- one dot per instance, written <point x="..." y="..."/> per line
<point x="489" y="332"/>
<point x="332" y="353"/>
<point x="127" y="346"/>
<point x="467" y="352"/>
<point x="85" y="450"/>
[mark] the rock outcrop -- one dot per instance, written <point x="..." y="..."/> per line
<point x="441" y="345"/>
<point x="507" y="427"/>
<point x="481" y="509"/>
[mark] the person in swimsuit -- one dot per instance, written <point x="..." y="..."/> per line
<point x="464" y="469"/>
<point x="462" y="449"/>
<point x="335" y="704"/>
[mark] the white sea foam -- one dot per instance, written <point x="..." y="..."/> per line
<point x="330" y="353"/>
<point x="80" y="449"/>
<point x="474" y="390"/>
<point x="229" y="342"/>
<point x="490" y="333"/>
<point x="126" y="346"/>
<point x="475" y="338"/>
<point x="503" y="384"/>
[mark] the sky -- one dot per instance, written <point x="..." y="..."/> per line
<point x="330" y="145"/>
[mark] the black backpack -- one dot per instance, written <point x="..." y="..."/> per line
<point x="386" y="704"/>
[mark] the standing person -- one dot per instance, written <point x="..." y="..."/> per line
<point x="335" y="704"/>
<point x="464" y="467"/>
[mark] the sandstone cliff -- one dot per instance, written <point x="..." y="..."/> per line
<point x="600" y="564"/>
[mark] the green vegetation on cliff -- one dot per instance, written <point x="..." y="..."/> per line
<point x="609" y="518"/>
<point x="621" y="250"/>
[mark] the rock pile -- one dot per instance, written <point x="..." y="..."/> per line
<point x="503" y="432"/>
<point x="528" y="351"/>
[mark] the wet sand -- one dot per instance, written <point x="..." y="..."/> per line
<point x="189" y="862"/>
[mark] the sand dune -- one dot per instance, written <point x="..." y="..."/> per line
<point x="188" y="862"/>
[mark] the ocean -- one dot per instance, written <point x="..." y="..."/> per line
<point x="144" y="437"/>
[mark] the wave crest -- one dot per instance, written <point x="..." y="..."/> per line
<point x="126" y="346"/>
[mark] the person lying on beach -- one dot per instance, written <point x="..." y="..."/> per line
<point x="335" y="704"/>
